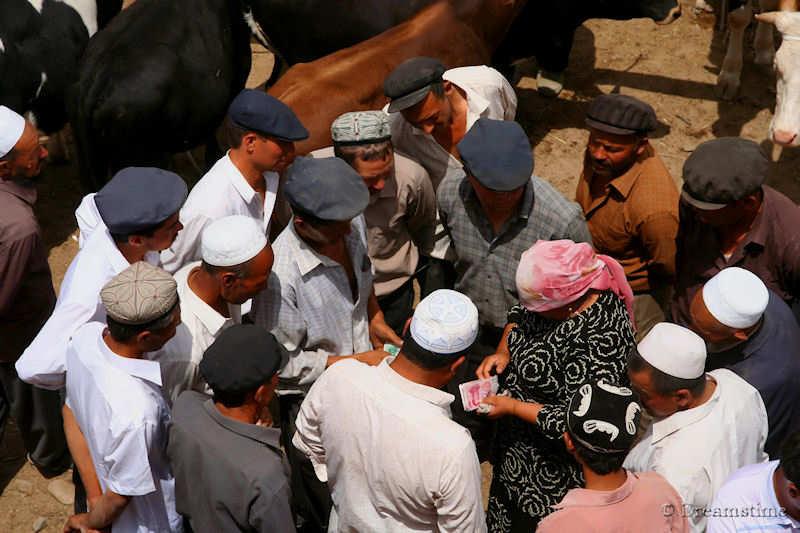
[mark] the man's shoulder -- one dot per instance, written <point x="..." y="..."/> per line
<point x="17" y="220"/>
<point x="408" y="169"/>
<point x="548" y="199"/>
<point x="475" y="77"/>
<point x="566" y="519"/>
<point x="734" y="390"/>
<point x="448" y="191"/>
<point x="188" y="409"/>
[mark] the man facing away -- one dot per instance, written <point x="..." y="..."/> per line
<point x="26" y="295"/>
<point x="382" y="436"/>
<point x="630" y="201"/>
<point x="602" y="422"/>
<point x="751" y="331"/>
<point x="230" y="471"/>
<point x="401" y="215"/>
<point x="261" y="131"/>
<point x="237" y="260"/>
<point x="707" y="425"/>
<point x="117" y="401"/>
<point x="761" y="498"/>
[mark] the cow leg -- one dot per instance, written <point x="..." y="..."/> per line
<point x="730" y="76"/>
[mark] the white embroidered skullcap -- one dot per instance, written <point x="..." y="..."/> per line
<point x="736" y="297"/>
<point x="445" y="322"/>
<point x="232" y="240"/>
<point x="675" y="350"/>
<point x="11" y="127"/>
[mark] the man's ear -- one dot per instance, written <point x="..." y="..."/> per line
<point x="447" y="86"/>
<point x="228" y="279"/>
<point x="5" y="168"/>
<point x="682" y="398"/>
<point x="643" y="143"/>
<point x="457" y="363"/>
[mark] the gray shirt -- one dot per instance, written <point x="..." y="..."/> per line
<point x="229" y="476"/>
<point x="487" y="263"/>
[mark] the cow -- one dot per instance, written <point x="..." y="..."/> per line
<point x="41" y="43"/>
<point x="157" y="81"/>
<point x="352" y="79"/>
<point x="740" y="13"/>
<point x="305" y="31"/>
<point x="785" y="126"/>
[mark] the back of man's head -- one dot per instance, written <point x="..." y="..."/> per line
<point x="602" y="423"/>
<point x="443" y="329"/>
<point x="790" y="458"/>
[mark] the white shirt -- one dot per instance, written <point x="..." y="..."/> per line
<point x="747" y="502"/>
<point x="222" y="192"/>
<point x="42" y="363"/>
<point x="120" y="408"/>
<point x="393" y="458"/>
<point x="697" y="449"/>
<point x="200" y="326"/>
<point x="488" y="95"/>
<point x="88" y="218"/>
<point x="309" y="307"/>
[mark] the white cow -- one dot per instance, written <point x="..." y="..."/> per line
<point x="785" y="127"/>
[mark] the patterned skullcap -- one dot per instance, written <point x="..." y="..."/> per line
<point x="604" y="418"/>
<point x="361" y="127"/>
<point x="445" y="322"/>
<point x="139" y="294"/>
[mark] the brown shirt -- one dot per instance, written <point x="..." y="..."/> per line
<point x="400" y="222"/>
<point x="771" y="250"/>
<point x="635" y="220"/>
<point x="26" y="288"/>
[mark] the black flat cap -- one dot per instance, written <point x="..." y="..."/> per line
<point x="498" y="154"/>
<point x="327" y="188"/>
<point x="241" y="359"/>
<point x="411" y="81"/>
<point x="258" y="111"/>
<point x="621" y="115"/>
<point x="138" y="198"/>
<point x="722" y="171"/>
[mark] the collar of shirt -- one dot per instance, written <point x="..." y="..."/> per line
<point x="476" y="105"/>
<point x="238" y="181"/>
<point x="25" y="192"/>
<point x="759" y="230"/>
<point x="140" y="368"/>
<point x="307" y="259"/>
<point x="667" y="426"/>
<point x="436" y="397"/>
<point x="211" y="319"/>
<point x="266" y="436"/>
<point x="598" y="498"/>
<point x="108" y="248"/>
<point x="621" y="184"/>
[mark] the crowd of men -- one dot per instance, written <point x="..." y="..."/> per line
<point x="248" y="356"/>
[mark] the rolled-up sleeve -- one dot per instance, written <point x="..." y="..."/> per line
<point x="657" y="233"/>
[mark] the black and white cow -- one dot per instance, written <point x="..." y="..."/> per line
<point x="156" y="81"/>
<point x="41" y="43"/>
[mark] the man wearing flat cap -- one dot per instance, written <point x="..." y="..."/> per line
<point x="602" y="422"/>
<point x="383" y="438"/>
<point x="261" y="132"/>
<point x="749" y="330"/>
<point x="728" y="217"/>
<point x="26" y="295"/>
<point x="401" y="215"/>
<point x="115" y="396"/>
<point x="320" y="303"/>
<point x="139" y="209"/>
<point x="431" y="109"/>
<point x="706" y="425"/>
<point x="244" y="485"/>
<point x="630" y="201"/>
<point x="493" y="214"/>
<point x="237" y="260"/>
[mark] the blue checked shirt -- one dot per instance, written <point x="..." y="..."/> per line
<point x="308" y="306"/>
<point x="487" y="263"/>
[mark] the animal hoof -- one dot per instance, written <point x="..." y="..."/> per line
<point x="727" y="86"/>
<point x="549" y="84"/>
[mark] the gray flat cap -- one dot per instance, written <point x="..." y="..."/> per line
<point x="327" y="188"/>
<point x="621" y="114"/>
<point x="411" y="81"/>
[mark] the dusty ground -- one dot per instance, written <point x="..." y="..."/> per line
<point x="674" y="68"/>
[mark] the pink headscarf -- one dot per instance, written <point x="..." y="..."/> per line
<point x="552" y="274"/>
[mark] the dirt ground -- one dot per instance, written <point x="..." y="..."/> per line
<point x="673" y="68"/>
